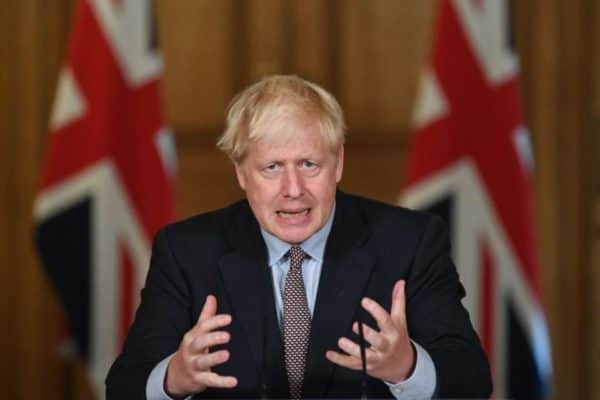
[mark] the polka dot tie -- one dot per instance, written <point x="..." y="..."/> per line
<point x="296" y="322"/>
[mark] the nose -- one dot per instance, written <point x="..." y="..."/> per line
<point x="292" y="184"/>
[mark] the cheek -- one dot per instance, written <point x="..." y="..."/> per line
<point x="323" y="190"/>
<point x="262" y="192"/>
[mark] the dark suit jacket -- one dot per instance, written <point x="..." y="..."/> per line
<point x="370" y="247"/>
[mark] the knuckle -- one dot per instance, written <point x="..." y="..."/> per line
<point x="190" y="365"/>
<point x="196" y="343"/>
<point x="211" y="358"/>
<point x="209" y="380"/>
<point x="188" y="338"/>
<point x="387" y="319"/>
<point x="377" y="342"/>
<point x="199" y="363"/>
<point x="394" y="336"/>
<point x="202" y="325"/>
<point x="199" y="379"/>
<point x="218" y="337"/>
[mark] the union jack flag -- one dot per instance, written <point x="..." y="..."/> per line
<point x="106" y="183"/>
<point x="471" y="163"/>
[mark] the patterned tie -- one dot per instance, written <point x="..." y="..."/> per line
<point x="296" y="322"/>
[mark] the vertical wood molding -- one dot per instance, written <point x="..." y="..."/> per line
<point x="238" y="46"/>
<point x="8" y="120"/>
<point x="593" y="282"/>
<point x="32" y="317"/>
<point x="542" y="100"/>
<point x="38" y="40"/>
<point x="266" y="37"/>
<point x="555" y="46"/>
<point x="575" y="159"/>
<point x="195" y="39"/>
<point x="378" y="66"/>
<point x="309" y="40"/>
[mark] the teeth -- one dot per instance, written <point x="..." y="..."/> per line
<point x="292" y="213"/>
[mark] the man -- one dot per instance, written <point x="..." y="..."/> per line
<point x="263" y="298"/>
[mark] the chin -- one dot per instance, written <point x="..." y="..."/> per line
<point x="294" y="237"/>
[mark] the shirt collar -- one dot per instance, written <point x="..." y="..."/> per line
<point x="314" y="246"/>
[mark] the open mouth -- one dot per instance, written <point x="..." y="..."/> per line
<point x="293" y="213"/>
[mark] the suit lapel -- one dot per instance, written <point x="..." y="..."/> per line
<point x="345" y="273"/>
<point x="241" y="279"/>
<point x="248" y="284"/>
<point x="344" y="276"/>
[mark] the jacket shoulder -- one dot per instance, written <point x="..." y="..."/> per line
<point x="393" y="226"/>
<point x="376" y="213"/>
<point x="207" y="230"/>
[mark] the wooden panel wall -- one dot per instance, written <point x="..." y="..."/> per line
<point x="31" y="50"/>
<point x="592" y="283"/>
<point x="7" y="203"/>
<point x="556" y="41"/>
<point x="368" y="54"/>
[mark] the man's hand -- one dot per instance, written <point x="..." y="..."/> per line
<point x="391" y="356"/>
<point x="189" y="370"/>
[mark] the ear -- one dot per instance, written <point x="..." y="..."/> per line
<point x="339" y="168"/>
<point x="240" y="174"/>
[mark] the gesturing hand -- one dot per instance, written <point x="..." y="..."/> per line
<point x="189" y="370"/>
<point x="391" y="357"/>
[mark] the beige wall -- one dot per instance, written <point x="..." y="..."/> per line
<point x="368" y="54"/>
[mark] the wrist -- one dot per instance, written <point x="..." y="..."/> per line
<point x="407" y="366"/>
<point x="170" y="385"/>
<point x="413" y="362"/>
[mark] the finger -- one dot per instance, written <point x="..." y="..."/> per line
<point x="208" y="309"/>
<point x="381" y="316"/>
<point x="398" y="313"/>
<point x="372" y="337"/>
<point x="203" y="342"/>
<point x="349" y="347"/>
<point x="212" y="323"/>
<point x="212" y="379"/>
<point x="206" y="361"/>
<point x="343" y="360"/>
<point x="353" y="349"/>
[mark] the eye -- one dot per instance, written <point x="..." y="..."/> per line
<point x="271" y="168"/>
<point x="309" y="168"/>
<point x="307" y="164"/>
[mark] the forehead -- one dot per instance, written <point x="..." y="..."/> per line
<point x="290" y="136"/>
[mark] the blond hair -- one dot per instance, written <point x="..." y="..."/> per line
<point x="277" y="100"/>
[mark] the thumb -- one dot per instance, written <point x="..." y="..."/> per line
<point x="209" y="309"/>
<point x="398" y="312"/>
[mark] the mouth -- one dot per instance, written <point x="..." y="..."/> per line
<point x="293" y="213"/>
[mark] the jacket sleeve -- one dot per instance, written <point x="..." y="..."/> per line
<point x="163" y="317"/>
<point x="438" y="321"/>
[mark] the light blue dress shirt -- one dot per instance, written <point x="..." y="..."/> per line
<point x="420" y="385"/>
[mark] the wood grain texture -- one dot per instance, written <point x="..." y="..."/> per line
<point x="35" y="346"/>
<point x="8" y="84"/>
<point x="556" y="44"/>
<point x="195" y="38"/>
<point x="382" y="48"/>
<point x="593" y="280"/>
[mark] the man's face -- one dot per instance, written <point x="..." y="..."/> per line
<point x="291" y="184"/>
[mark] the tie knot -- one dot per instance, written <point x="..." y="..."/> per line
<point x="296" y="256"/>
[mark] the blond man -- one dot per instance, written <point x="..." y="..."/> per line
<point x="264" y="298"/>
